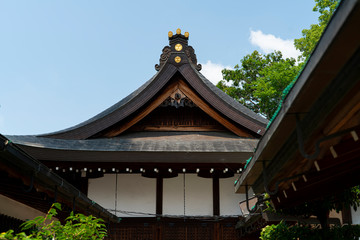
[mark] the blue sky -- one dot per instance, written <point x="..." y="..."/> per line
<point x="62" y="62"/>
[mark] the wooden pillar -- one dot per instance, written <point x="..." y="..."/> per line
<point x="217" y="231"/>
<point x="159" y="195"/>
<point x="216" y="196"/>
<point x="346" y="215"/>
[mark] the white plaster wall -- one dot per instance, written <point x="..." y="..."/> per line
<point x="173" y="196"/>
<point x="17" y="210"/>
<point x="102" y="191"/>
<point x="355" y="215"/>
<point x="198" y="195"/>
<point x="134" y="194"/>
<point x="229" y="200"/>
<point x="138" y="194"/>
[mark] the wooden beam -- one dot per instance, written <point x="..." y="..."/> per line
<point x="346" y="215"/>
<point x="329" y="181"/>
<point x="344" y="115"/>
<point x="276" y="217"/>
<point x="210" y="110"/>
<point x="336" y="155"/>
<point x="165" y="94"/>
<point x="159" y="195"/>
<point x="181" y="128"/>
<point x="334" y="175"/>
<point x="216" y="196"/>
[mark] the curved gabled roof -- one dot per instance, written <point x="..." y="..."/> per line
<point x="172" y="62"/>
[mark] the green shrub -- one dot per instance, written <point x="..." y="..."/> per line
<point x="77" y="226"/>
<point x="282" y="231"/>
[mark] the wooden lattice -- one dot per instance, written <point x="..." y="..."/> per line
<point x="184" y="232"/>
<point x="145" y="232"/>
<point x="228" y="232"/>
<point x="177" y="230"/>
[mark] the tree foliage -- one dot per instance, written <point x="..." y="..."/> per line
<point x="259" y="81"/>
<point x="346" y="199"/>
<point x="76" y="227"/>
<point x="320" y="208"/>
<point x="282" y="231"/>
<point x="311" y="36"/>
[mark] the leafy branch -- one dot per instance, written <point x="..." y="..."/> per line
<point x="77" y="227"/>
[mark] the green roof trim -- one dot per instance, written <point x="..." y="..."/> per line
<point x="247" y="162"/>
<point x="285" y="93"/>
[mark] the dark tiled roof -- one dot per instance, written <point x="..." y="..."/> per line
<point x="20" y="164"/>
<point x="147" y="142"/>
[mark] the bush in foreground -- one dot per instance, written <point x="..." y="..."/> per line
<point x="77" y="226"/>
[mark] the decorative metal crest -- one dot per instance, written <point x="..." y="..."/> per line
<point x="179" y="44"/>
<point x="178" y="99"/>
<point x="163" y="57"/>
<point x="190" y="53"/>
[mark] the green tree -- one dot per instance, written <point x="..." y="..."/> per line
<point x="283" y="231"/>
<point x="311" y="36"/>
<point x="259" y="81"/>
<point x="76" y="227"/>
<point x="321" y="208"/>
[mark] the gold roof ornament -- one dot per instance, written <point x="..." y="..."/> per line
<point x="178" y="44"/>
<point x="178" y="47"/>
<point x="177" y="59"/>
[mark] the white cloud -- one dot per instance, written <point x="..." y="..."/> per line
<point x="268" y="43"/>
<point x="212" y="71"/>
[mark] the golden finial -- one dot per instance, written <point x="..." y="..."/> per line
<point x="186" y="34"/>
<point x="178" y="31"/>
<point x="170" y="34"/>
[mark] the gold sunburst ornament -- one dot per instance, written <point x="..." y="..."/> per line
<point x="170" y="34"/>
<point x="178" y="47"/>
<point x="177" y="59"/>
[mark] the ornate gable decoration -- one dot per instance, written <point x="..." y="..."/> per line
<point x="179" y="52"/>
<point x="178" y="99"/>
